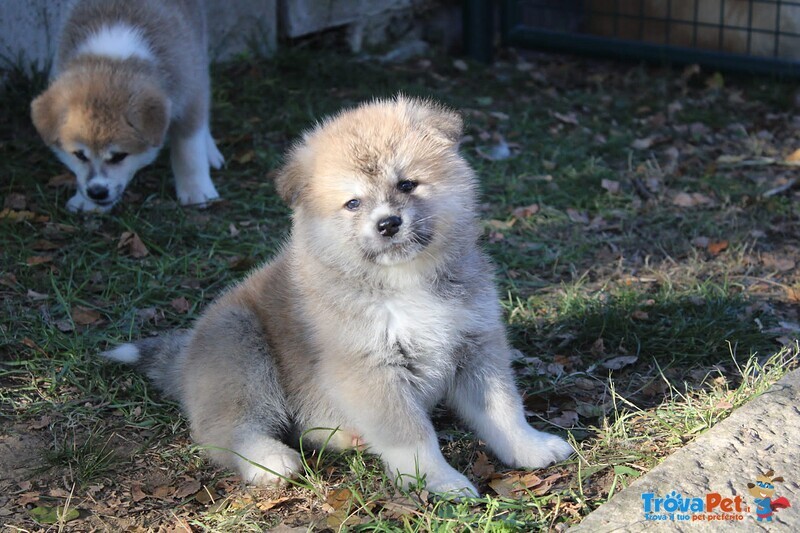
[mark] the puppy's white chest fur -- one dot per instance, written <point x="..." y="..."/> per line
<point x="416" y="318"/>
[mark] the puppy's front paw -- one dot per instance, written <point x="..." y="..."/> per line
<point x="81" y="204"/>
<point x="442" y="479"/>
<point x="536" y="449"/>
<point x="215" y="158"/>
<point x="273" y="468"/>
<point x="451" y="484"/>
<point x="198" y="195"/>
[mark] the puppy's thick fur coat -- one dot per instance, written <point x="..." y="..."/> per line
<point x="380" y="306"/>
<point x="129" y="73"/>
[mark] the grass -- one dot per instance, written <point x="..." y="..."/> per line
<point x="637" y="329"/>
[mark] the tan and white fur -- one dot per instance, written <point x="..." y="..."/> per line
<point x="129" y="74"/>
<point x="380" y="306"/>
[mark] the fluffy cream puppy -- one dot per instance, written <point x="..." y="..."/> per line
<point x="379" y="306"/>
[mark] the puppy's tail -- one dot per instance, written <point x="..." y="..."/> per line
<point x="159" y="358"/>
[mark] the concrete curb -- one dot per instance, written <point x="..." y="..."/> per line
<point x="762" y="435"/>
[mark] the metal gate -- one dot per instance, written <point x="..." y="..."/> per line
<point x="760" y="36"/>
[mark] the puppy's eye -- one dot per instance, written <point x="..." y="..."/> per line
<point x="117" y="157"/>
<point x="80" y="155"/>
<point x="353" y="204"/>
<point x="407" y="186"/>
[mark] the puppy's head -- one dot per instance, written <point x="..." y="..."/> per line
<point x="104" y="125"/>
<point x="381" y="184"/>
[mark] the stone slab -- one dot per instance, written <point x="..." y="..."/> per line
<point x="302" y="17"/>
<point x="762" y="435"/>
<point x="29" y="29"/>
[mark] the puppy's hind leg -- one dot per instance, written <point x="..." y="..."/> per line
<point x="234" y="400"/>
<point x="485" y="397"/>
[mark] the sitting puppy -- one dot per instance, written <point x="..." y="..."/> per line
<point x="129" y="73"/>
<point x="379" y="306"/>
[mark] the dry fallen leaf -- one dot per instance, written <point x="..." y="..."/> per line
<point x="723" y="404"/>
<point x="566" y="419"/>
<point x="715" y="248"/>
<point x="137" y="494"/>
<point x="793" y="294"/>
<point x="514" y="482"/>
<point x="206" y="495"/>
<point x="15" y="201"/>
<point x="164" y="492"/>
<point x="131" y="243"/>
<point x="779" y="263"/>
<point x="525" y="212"/>
<point x="684" y="199"/>
<point x="84" y="316"/>
<point x="615" y="363"/>
<point x="577" y="216"/>
<point x="567" y="118"/>
<point x="36" y="296"/>
<point x="245" y="157"/>
<point x="338" y="498"/>
<point x="482" y="468"/>
<point x="44" y="245"/>
<point x="27" y="498"/>
<point x="189" y="487"/>
<point x="18" y="216"/>
<point x="266" y="505"/>
<point x="610" y="185"/>
<point x="42" y="423"/>
<point x="62" y="179"/>
<point x="399" y="507"/>
<point x="180" y="304"/>
<point x="39" y="259"/>
<point x="642" y="144"/>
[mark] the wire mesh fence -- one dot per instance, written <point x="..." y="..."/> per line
<point x="753" y="35"/>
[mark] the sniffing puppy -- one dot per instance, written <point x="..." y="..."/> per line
<point x="129" y="74"/>
<point x="379" y="306"/>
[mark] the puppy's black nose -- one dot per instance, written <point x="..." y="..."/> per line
<point x="97" y="192"/>
<point x="389" y="225"/>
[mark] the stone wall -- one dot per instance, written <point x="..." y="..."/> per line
<point x="29" y="28"/>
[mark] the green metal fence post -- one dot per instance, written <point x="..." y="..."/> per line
<point x="478" y="21"/>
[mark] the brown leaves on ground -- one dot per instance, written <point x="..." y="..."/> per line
<point x="694" y="199"/>
<point x="83" y="316"/>
<point x="482" y="468"/>
<point x="181" y="305"/>
<point x="513" y="484"/>
<point x="131" y="244"/>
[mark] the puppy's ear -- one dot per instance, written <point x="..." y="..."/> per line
<point x="445" y="123"/>
<point x="148" y="114"/>
<point x="290" y="179"/>
<point x="779" y="478"/>
<point x="751" y="485"/>
<point x="47" y="114"/>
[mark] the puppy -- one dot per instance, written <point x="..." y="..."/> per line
<point x="129" y="74"/>
<point x="379" y="306"/>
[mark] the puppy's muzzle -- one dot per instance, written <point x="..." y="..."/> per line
<point x="389" y="226"/>
<point x="98" y="193"/>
